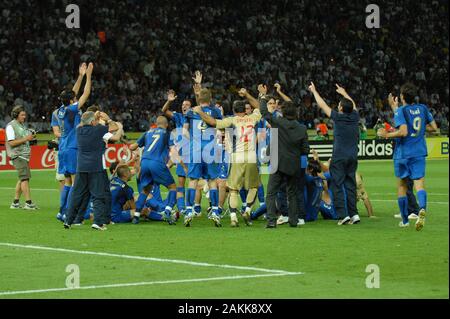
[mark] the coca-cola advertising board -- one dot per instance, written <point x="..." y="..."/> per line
<point x="43" y="158"/>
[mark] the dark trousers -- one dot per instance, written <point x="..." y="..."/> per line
<point x="273" y="186"/>
<point x="95" y="185"/>
<point x="343" y="186"/>
<point x="282" y="201"/>
<point x="413" y="207"/>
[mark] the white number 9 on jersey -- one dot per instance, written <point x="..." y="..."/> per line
<point x="417" y="125"/>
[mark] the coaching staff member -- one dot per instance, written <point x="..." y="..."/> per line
<point x="344" y="160"/>
<point x="91" y="176"/>
<point x="18" y="139"/>
<point x="292" y="144"/>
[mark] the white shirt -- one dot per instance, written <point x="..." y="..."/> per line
<point x="10" y="135"/>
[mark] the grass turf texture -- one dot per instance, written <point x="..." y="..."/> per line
<point x="333" y="259"/>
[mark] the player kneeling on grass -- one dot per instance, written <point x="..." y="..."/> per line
<point x="317" y="197"/>
<point x="123" y="204"/>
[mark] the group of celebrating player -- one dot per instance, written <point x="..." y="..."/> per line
<point x="222" y="157"/>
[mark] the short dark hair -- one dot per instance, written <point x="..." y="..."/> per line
<point x="239" y="106"/>
<point x="409" y="92"/>
<point x="314" y="167"/>
<point x="270" y="97"/>
<point x="66" y="96"/>
<point x="16" y="111"/>
<point x="289" y="110"/>
<point x="347" y="105"/>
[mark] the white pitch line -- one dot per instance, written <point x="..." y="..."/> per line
<point x="394" y="200"/>
<point x="144" y="283"/>
<point x="174" y="261"/>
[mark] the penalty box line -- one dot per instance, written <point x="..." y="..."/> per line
<point x="164" y="260"/>
<point x="145" y="283"/>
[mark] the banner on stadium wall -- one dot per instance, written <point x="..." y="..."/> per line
<point x="368" y="149"/>
<point x="437" y="147"/>
<point x="43" y="158"/>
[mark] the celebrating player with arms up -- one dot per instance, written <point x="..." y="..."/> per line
<point x="69" y="115"/>
<point x="181" y="142"/>
<point x="411" y="121"/>
<point x="203" y="164"/>
<point x="244" y="170"/>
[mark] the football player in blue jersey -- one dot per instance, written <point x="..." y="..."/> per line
<point x="205" y="155"/>
<point x="153" y="168"/>
<point x="411" y="120"/>
<point x="69" y="115"/>
<point x="56" y="127"/>
<point x="180" y="141"/>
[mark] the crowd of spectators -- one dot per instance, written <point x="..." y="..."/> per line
<point x="143" y="48"/>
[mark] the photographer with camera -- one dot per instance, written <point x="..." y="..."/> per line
<point x="18" y="149"/>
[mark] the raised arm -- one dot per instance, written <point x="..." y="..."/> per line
<point x="197" y="84"/>
<point x="343" y="92"/>
<point x="87" y="86"/>
<point x="118" y="134"/>
<point x="253" y="102"/>
<point x="117" y="126"/>
<point x="280" y="93"/>
<point x="81" y="73"/>
<point x="170" y="98"/>
<point x="322" y="104"/>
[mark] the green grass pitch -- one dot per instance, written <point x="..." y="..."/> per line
<point x="319" y="260"/>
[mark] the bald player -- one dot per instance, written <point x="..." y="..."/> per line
<point x="154" y="171"/>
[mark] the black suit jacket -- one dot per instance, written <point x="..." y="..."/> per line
<point x="292" y="141"/>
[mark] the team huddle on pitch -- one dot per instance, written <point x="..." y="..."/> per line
<point x="223" y="158"/>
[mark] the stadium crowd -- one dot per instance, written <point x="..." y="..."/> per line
<point x="143" y="48"/>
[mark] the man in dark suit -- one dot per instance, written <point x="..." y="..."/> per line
<point x="91" y="176"/>
<point x="344" y="161"/>
<point x="292" y="141"/>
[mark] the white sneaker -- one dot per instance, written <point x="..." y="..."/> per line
<point x="421" y="220"/>
<point x="301" y="222"/>
<point x="282" y="220"/>
<point x="234" y="220"/>
<point x="344" y="221"/>
<point x="403" y="225"/>
<point x="410" y="216"/>
<point x="355" y="220"/>
<point x="97" y="227"/>
<point x="15" y="206"/>
<point x="31" y="206"/>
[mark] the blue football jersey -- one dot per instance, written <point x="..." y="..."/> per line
<point x="416" y="117"/>
<point x="55" y="120"/>
<point x="313" y="190"/>
<point x="69" y="118"/>
<point x="156" y="143"/>
<point x="197" y="127"/>
<point x="120" y="194"/>
<point x="178" y="119"/>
